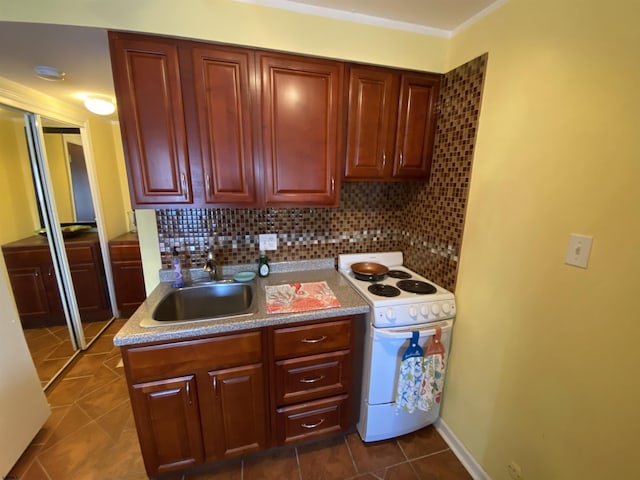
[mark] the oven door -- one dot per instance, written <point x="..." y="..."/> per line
<point x="387" y="347"/>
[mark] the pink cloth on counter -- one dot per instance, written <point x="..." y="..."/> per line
<point x="299" y="297"/>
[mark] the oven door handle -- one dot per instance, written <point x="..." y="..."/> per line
<point x="380" y="332"/>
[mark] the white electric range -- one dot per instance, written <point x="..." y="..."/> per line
<point x="403" y="303"/>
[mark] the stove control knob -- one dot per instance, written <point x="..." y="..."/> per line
<point x="446" y="308"/>
<point x="390" y="314"/>
<point x="413" y="312"/>
<point x="435" y="309"/>
<point x="424" y="311"/>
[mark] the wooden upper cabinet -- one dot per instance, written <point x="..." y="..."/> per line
<point x="221" y="80"/>
<point x="416" y="125"/>
<point x="301" y="100"/>
<point x="147" y="83"/>
<point x="373" y="103"/>
<point x="390" y="124"/>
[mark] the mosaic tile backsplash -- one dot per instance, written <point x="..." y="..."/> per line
<point x="425" y="221"/>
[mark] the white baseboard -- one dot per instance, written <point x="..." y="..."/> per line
<point x="459" y="450"/>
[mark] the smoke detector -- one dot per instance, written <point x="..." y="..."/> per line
<point x="49" y="73"/>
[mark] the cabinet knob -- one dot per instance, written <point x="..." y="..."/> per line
<point x="401" y="159"/>
<point x="208" y="183"/>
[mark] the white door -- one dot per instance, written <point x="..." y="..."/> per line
<point x="23" y="405"/>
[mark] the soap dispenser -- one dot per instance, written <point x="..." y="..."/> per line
<point x="178" y="280"/>
<point x="263" y="265"/>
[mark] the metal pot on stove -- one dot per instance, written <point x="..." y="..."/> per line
<point x="369" y="271"/>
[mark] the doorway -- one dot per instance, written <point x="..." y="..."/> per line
<point x="51" y="246"/>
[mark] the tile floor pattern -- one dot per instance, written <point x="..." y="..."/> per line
<point x="50" y="347"/>
<point x="91" y="436"/>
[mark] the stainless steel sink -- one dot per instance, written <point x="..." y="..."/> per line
<point x="204" y="302"/>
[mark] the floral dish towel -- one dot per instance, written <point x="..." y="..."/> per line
<point x="299" y="297"/>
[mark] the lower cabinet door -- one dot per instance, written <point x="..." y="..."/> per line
<point x="29" y="285"/>
<point x="238" y="422"/>
<point x="168" y="423"/>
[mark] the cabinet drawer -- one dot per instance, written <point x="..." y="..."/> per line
<point x="160" y="361"/>
<point x="308" y="378"/>
<point x="20" y="258"/>
<point x="312" y="339"/>
<point x="79" y="254"/>
<point x="123" y="252"/>
<point x="308" y="420"/>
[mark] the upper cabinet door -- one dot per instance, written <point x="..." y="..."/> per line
<point x="221" y="80"/>
<point x="373" y="103"/>
<point x="301" y="100"/>
<point x="416" y="125"/>
<point x="147" y="82"/>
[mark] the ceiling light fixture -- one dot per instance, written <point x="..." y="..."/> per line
<point x="49" y="73"/>
<point x="100" y="105"/>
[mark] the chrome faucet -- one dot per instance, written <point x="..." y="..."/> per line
<point x="211" y="265"/>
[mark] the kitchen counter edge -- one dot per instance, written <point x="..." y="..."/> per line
<point x="351" y="304"/>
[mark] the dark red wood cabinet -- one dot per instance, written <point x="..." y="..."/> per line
<point x="35" y="286"/>
<point x="300" y="119"/>
<point x="194" y="117"/>
<point x="127" y="272"/>
<point x="391" y="122"/>
<point x="206" y="399"/>
<point x="150" y="108"/>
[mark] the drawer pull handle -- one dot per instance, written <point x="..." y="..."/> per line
<point x="314" y="340"/>
<point x="312" y="380"/>
<point x="313" y="425"/>
<point x="185" y="186"/>
<point x="188" y="389"/>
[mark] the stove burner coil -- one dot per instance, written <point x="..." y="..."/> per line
<point x="369" y="277"/>
<point x="398" y="274"/>
<point x="416" y="286"/>
<point x="384" y="290"/>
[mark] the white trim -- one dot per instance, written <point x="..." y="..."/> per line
<point x="478" y="16"/>
<point x="23" y="98"/>
<point x="355" y="17"/>
<point x="459" y="450"/>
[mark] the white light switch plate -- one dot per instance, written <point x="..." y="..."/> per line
<point x="578" y="250"/>
<point x="268" y="241"/>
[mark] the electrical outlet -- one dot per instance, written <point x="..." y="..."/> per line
<point x="578" y="250"/>
<point x="515" y="472"/>
<point x="268" y="241"/>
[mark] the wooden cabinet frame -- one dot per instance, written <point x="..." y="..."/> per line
<point x="225" y="392"/>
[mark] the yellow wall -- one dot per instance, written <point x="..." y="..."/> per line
<point x="106" y="155"/>
<point x="239" y="23"/>
<point x="57" y="160"/>
<point x="545" y="361"/>
<point x="17" y="219"/>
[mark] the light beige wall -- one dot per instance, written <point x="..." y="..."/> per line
<point x="544" y="368"/>
<point x="16" y="188"/>
<point x="59" y="170"/>
<point x="244" y="24"/>
<point x="107" y="156"/>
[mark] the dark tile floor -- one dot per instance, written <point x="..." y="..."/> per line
<point x="51" y="348"/>
<point x="91" y="436"/>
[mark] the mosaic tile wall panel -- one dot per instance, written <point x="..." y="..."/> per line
<point x="368" y="219"/>
<point x="434" y="232"/>
<point x="423" y="220"/>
